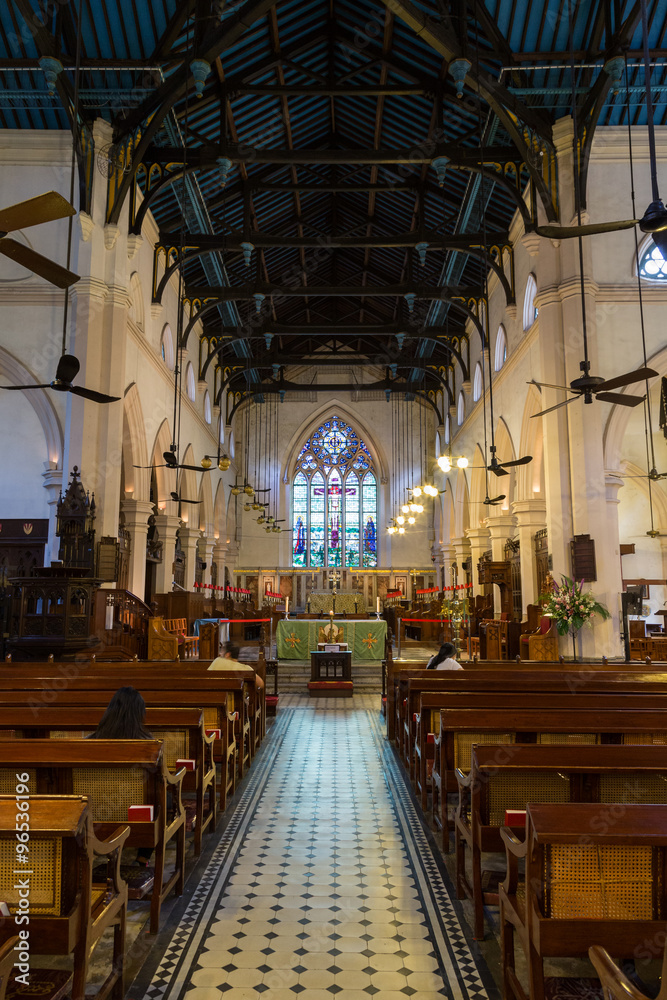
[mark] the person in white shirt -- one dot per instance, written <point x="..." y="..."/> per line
<point x="443" y="659"/>
<point x="229" y="661"/>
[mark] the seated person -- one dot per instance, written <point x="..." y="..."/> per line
<point x="230" y="661"/>
<point x="443" y="659"/>
<point x="124" y="719"/>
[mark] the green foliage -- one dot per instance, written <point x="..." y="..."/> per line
<point x="571" y="607"/>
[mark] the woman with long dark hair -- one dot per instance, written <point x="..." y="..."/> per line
<point x="123" y="719"/>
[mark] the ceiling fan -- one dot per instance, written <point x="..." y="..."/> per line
<point x="66" y="372"/>
<point x="500" y="468"/>
<point x="33" y="212"/>
<point x="489" y="501"/>
<point x="590" y="386"/>
<point x="177" y="498"/>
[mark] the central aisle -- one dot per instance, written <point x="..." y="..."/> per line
<point x="323" y="881"/>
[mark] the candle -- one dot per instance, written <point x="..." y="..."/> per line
<point x="377" y="605"/>
<point x="287" y="605"/>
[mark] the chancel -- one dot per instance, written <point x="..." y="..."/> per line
<point x="332" y="359"/>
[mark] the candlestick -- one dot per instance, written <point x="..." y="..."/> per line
<point x="377" y="605"/>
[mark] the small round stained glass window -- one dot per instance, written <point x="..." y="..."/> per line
<point x="652" y="264"/>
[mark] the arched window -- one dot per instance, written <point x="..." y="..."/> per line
<point x="207" y="407"/>
<point x="501" y="348"/>
<point x="448" y="429"/>
<point x="478" y="383"/>
<point x="652" y="265"/>
<point x="167" y="347"/>
<point x="190" y="382"/>
<point x="529" y="307"/>
<point x="461" y="409"/>
<point x="334" y="500"/>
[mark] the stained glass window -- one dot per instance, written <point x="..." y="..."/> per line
<point x="653" y="265"/>
<point x="334" y="500"/>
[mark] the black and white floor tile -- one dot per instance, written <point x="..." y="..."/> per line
<point x="324" y="880"/>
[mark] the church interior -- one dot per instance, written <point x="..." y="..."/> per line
<point x="333" y="595"/>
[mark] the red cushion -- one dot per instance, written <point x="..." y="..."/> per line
<point x="272" y="699"/>
<point x="323" y="685"/>
<point x="545" y="625"/>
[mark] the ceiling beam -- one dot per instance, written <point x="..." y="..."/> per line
<point x="436" y="241"/>
<point x="331" y="90"/>
<point x="206" y="157"/>
<point x="248" y="292"/>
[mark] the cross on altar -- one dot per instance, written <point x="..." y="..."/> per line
<point x="334" y="579"/>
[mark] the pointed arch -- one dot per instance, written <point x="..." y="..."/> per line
<point x="462" y="505"/>
<point x="617" y="422"/>
<point x="530" y="478"/>
<point x="478" y="477"/>
<point x="319" y="415"/>
<point x="18" y="374"/>
<point x="206" y="507"/>
<point x="166" y="478"/>
<point x="135" y="450"/>
<point x="220" y="513"/>
<point x="187" y="487"/>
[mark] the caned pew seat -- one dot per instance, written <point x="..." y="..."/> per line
<point x="113" y="775"/>
<point x="68" y="912"/>
<point x="586" y="879"/>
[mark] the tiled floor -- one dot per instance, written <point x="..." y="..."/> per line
<point x="323" y="882"/>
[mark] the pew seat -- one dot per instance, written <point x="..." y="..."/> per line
<point x="586" y="879"/>
<point x="68" y="912"/>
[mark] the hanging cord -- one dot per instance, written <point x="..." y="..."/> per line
<point x="75" y="145"/>
<point x="647" y="413"/>
<point x="577" y="188"/>
<point x="650" y="484"/>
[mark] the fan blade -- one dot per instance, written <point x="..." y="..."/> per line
<point x="570" y="232"/>
<point x="170" y="459"/>
<point x="32" y="212"/>
<point x="68" y="368"/>
<point x="548" y="385"/>
<point x="556" y="407"/>
<point x="617" y="397"/>
<point x="149" y="466"/>
<point x="518" y="461"/>
<point x="183" y="500"/>
<point x="494" y="501"/>
<point x="639" y="375"/>
<point x="497" y="470"/>
<point x="264" y="491"/>
<point x="46" y="385"/>
<point x="95" y="397"/>
<point x="35" y="262"/>
<point x="194" y="468"/>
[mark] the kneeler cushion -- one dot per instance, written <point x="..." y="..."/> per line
<point x="139" y="879"/>
<point x="48" y="984"/>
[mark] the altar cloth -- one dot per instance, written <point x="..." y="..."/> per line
<point x="295" y="639"/>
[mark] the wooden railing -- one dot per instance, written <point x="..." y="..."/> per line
<point x="121" y="621"/>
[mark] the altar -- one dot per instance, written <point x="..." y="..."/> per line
<point x="365" y="639"/>
<point x="324" y="601"/>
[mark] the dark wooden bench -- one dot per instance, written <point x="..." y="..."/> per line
<point x="586" y="879"/>
<point x="181" y="731"/>
<point x="461" y="728"/>
<point x="428" y="721"/>
<point x="505" y="778"/>
<point x="68" y="911"/>
<point x="113" y="775"/>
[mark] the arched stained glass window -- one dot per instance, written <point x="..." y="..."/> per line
<point x="334" y="500"/>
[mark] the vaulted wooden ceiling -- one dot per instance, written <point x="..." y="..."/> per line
<point x="335" y="177"/>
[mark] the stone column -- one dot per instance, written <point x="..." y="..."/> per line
<point x="189" y="538"/>
<point x="531" y="516"/>
<point x="136" y="514"/>
<point x="53" y="481"/>
<point x="480" y="541"/>
<point x="206" y="548"/>
<point x="461" y="548"/>
<point x="500" y="528"/>
<point x="167" y="526"/>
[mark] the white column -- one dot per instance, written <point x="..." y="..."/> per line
<point x="136" y="514"/>
<point x="531" y="516"/>
<point x="53" y="481"/>
<point x="206" y="548"/>
<point x="218" y="556"/>
<point x="167" y="526"/>
<point x="189" y="538"/>
<point x="480" y="541"/>
<point x="500" y="529"/>
<point x="461" y="548"/>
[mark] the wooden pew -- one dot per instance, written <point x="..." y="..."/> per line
<point x="181" y="731"/>
<point x="586" y="879"/>
<point x="50" y="684"/>
<point x="112" y="774"/>
<point x="430" y="703"/>
<point x="461" y="728"/>
<point x="179" y="628"/>
<point x="509" y="777"/>
<point x="68" y="912"/>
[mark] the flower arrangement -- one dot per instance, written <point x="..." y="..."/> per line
<point x="571" y="607"/>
